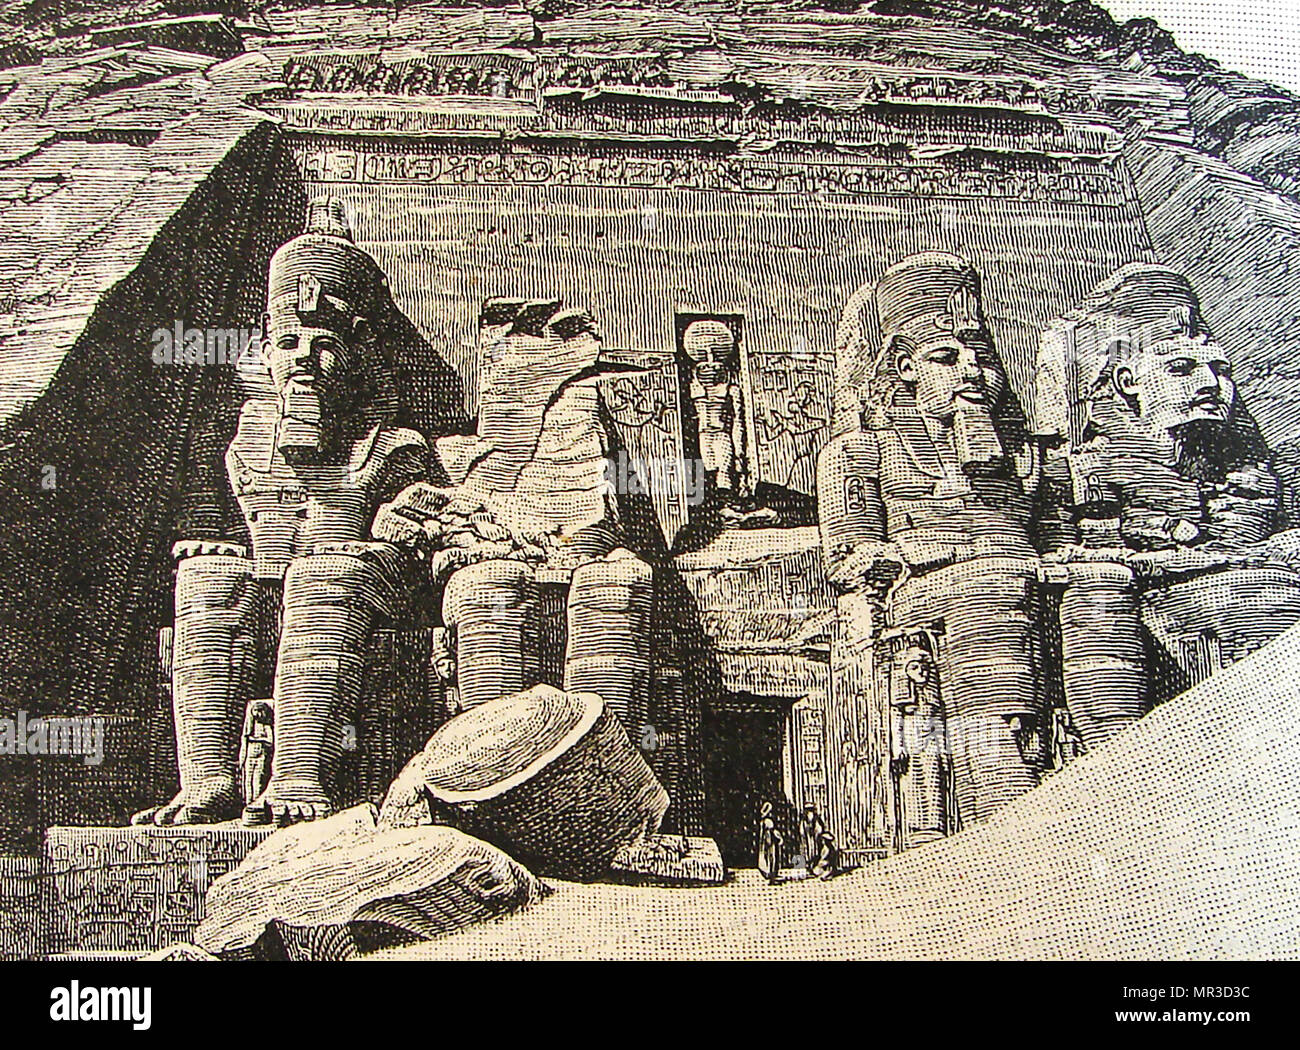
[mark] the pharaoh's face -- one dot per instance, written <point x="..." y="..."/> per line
<point x="314" y="364"/>
<point x="1185" y="379"/>
<point x="955" y="374"/>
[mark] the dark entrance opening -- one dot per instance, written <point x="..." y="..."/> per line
<point x="742" y="736"/>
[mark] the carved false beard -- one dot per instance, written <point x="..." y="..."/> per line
<point x="300" y="431"/>
<point x="976" y="439"/>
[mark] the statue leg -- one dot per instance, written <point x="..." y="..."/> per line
<point x="608" y="650"/>
<point x="718" y="456"/>
<point x="988" y="676"/>
<point x="1102" y="660"/>
<point x="994" y="660"/>
<point x="214" y="658"/>
<point x="491" y="609"/>
<point x="332" y="600"/>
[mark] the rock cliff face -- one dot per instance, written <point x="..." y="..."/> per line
<point x="762" y="160"/>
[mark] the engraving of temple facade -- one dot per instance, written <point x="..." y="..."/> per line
<point x="660" y="289"/>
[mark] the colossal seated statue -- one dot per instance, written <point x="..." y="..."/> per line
<point x="1181" y="523"/>
<point x="927" y="504"/>
<point x="309" y="470"/>
<point x="347" y="526"/>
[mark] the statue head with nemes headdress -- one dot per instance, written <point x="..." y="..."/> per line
<point x="327" y="303"/>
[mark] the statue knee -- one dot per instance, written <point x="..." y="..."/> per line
<point x="495" y="585"/>
<point x="216" y="608"/>
<point x="609" y="608"/>
<point x="608" y="650"/>
<point x="214" y="582"/>
<point x="621" y="586"/>
<point x="350" y="575"/>
<point x="491" y="612"/>
<point x="1100" y="613"/>
<point x="1103" y="656"/>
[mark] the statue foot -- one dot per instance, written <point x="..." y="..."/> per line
<point x="209" y="801"/>
<point x="757" y="518"/>
<point x="288" y="802"/>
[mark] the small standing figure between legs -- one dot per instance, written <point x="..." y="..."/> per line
<point x="443" y="658"/>
<point x="1067" y="744"/>
<point x="256" y="749"/>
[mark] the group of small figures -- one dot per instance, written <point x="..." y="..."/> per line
<point x="820" y="857"/>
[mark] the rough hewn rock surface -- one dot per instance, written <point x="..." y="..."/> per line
<point x="331" y="888"/>
<point x="136" y="191"/>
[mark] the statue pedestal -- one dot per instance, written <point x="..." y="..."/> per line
<point x="135" y="889"/>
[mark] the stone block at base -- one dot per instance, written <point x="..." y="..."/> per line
<point x="133" y="889"/>
<point x="670" y="859"/>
